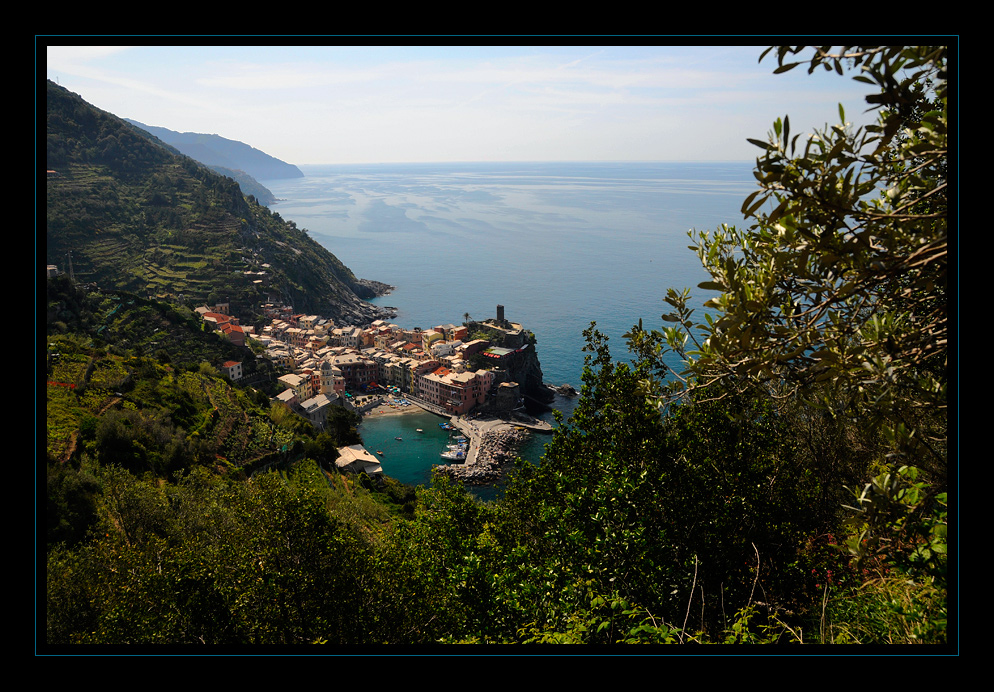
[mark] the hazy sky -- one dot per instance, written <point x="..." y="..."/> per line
<point x="366" y="104"/>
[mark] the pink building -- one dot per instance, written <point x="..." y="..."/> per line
<point x="457" y="393"/>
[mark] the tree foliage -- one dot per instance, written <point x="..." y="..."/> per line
<point x="832" y="303"/>
<point x="206" y="561"/>
<point x="686" y="517"/>
<point x="836" y="291"/>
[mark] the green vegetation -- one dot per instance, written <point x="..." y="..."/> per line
<point x="132" y="214"/>
<point x="832" y="306"/>
<point x="788" y="486"/>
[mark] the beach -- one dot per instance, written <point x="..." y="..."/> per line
<point x="386" y="409"/>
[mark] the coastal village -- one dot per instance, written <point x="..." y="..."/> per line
<point x="444" y="370"/>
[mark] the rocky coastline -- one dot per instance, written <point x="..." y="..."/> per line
<point x="368" y="288"/>
<point x="564" y="390"/>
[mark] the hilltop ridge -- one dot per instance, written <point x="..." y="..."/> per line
<point x="213" y="150"/>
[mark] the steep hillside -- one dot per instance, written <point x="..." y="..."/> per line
<point x="214" y="150"/>
<point x="131" y="213"/>
<point x="250" y="186"/>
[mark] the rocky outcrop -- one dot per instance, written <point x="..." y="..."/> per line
<point x="367" y="288"/>
<point x="354" y="311"/>
<point x="519" y="360"/>
<point x="527" y="372"/>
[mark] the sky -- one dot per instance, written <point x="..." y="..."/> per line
<point x="420" y="103"/>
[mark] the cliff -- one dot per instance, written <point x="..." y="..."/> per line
<point x="514" y="351"/>
<point x="527" y="372"/>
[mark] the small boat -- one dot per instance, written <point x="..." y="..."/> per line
<point x="420" y="430"/>
<point x="379" y="452"/>
<point x="398" y="438"/>
<point x="454" y="456"/>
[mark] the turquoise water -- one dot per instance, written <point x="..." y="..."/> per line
<point x="557" y="244"/>
<point x="409" y="459"/>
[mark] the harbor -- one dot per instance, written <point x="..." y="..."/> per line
<point x="410" y="441"/>
<point x="493" y="444"/>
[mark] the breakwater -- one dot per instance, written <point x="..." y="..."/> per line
<point x="493" y="447"/>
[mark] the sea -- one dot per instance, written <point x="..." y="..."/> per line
<point x="558" y="245"/>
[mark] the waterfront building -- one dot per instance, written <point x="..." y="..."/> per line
<point x="456" y="392"/>
<point x="357" y="459"/>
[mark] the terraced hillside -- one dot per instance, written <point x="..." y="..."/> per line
<point x="125" y="211"/>
<point x="152" y="416"/>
